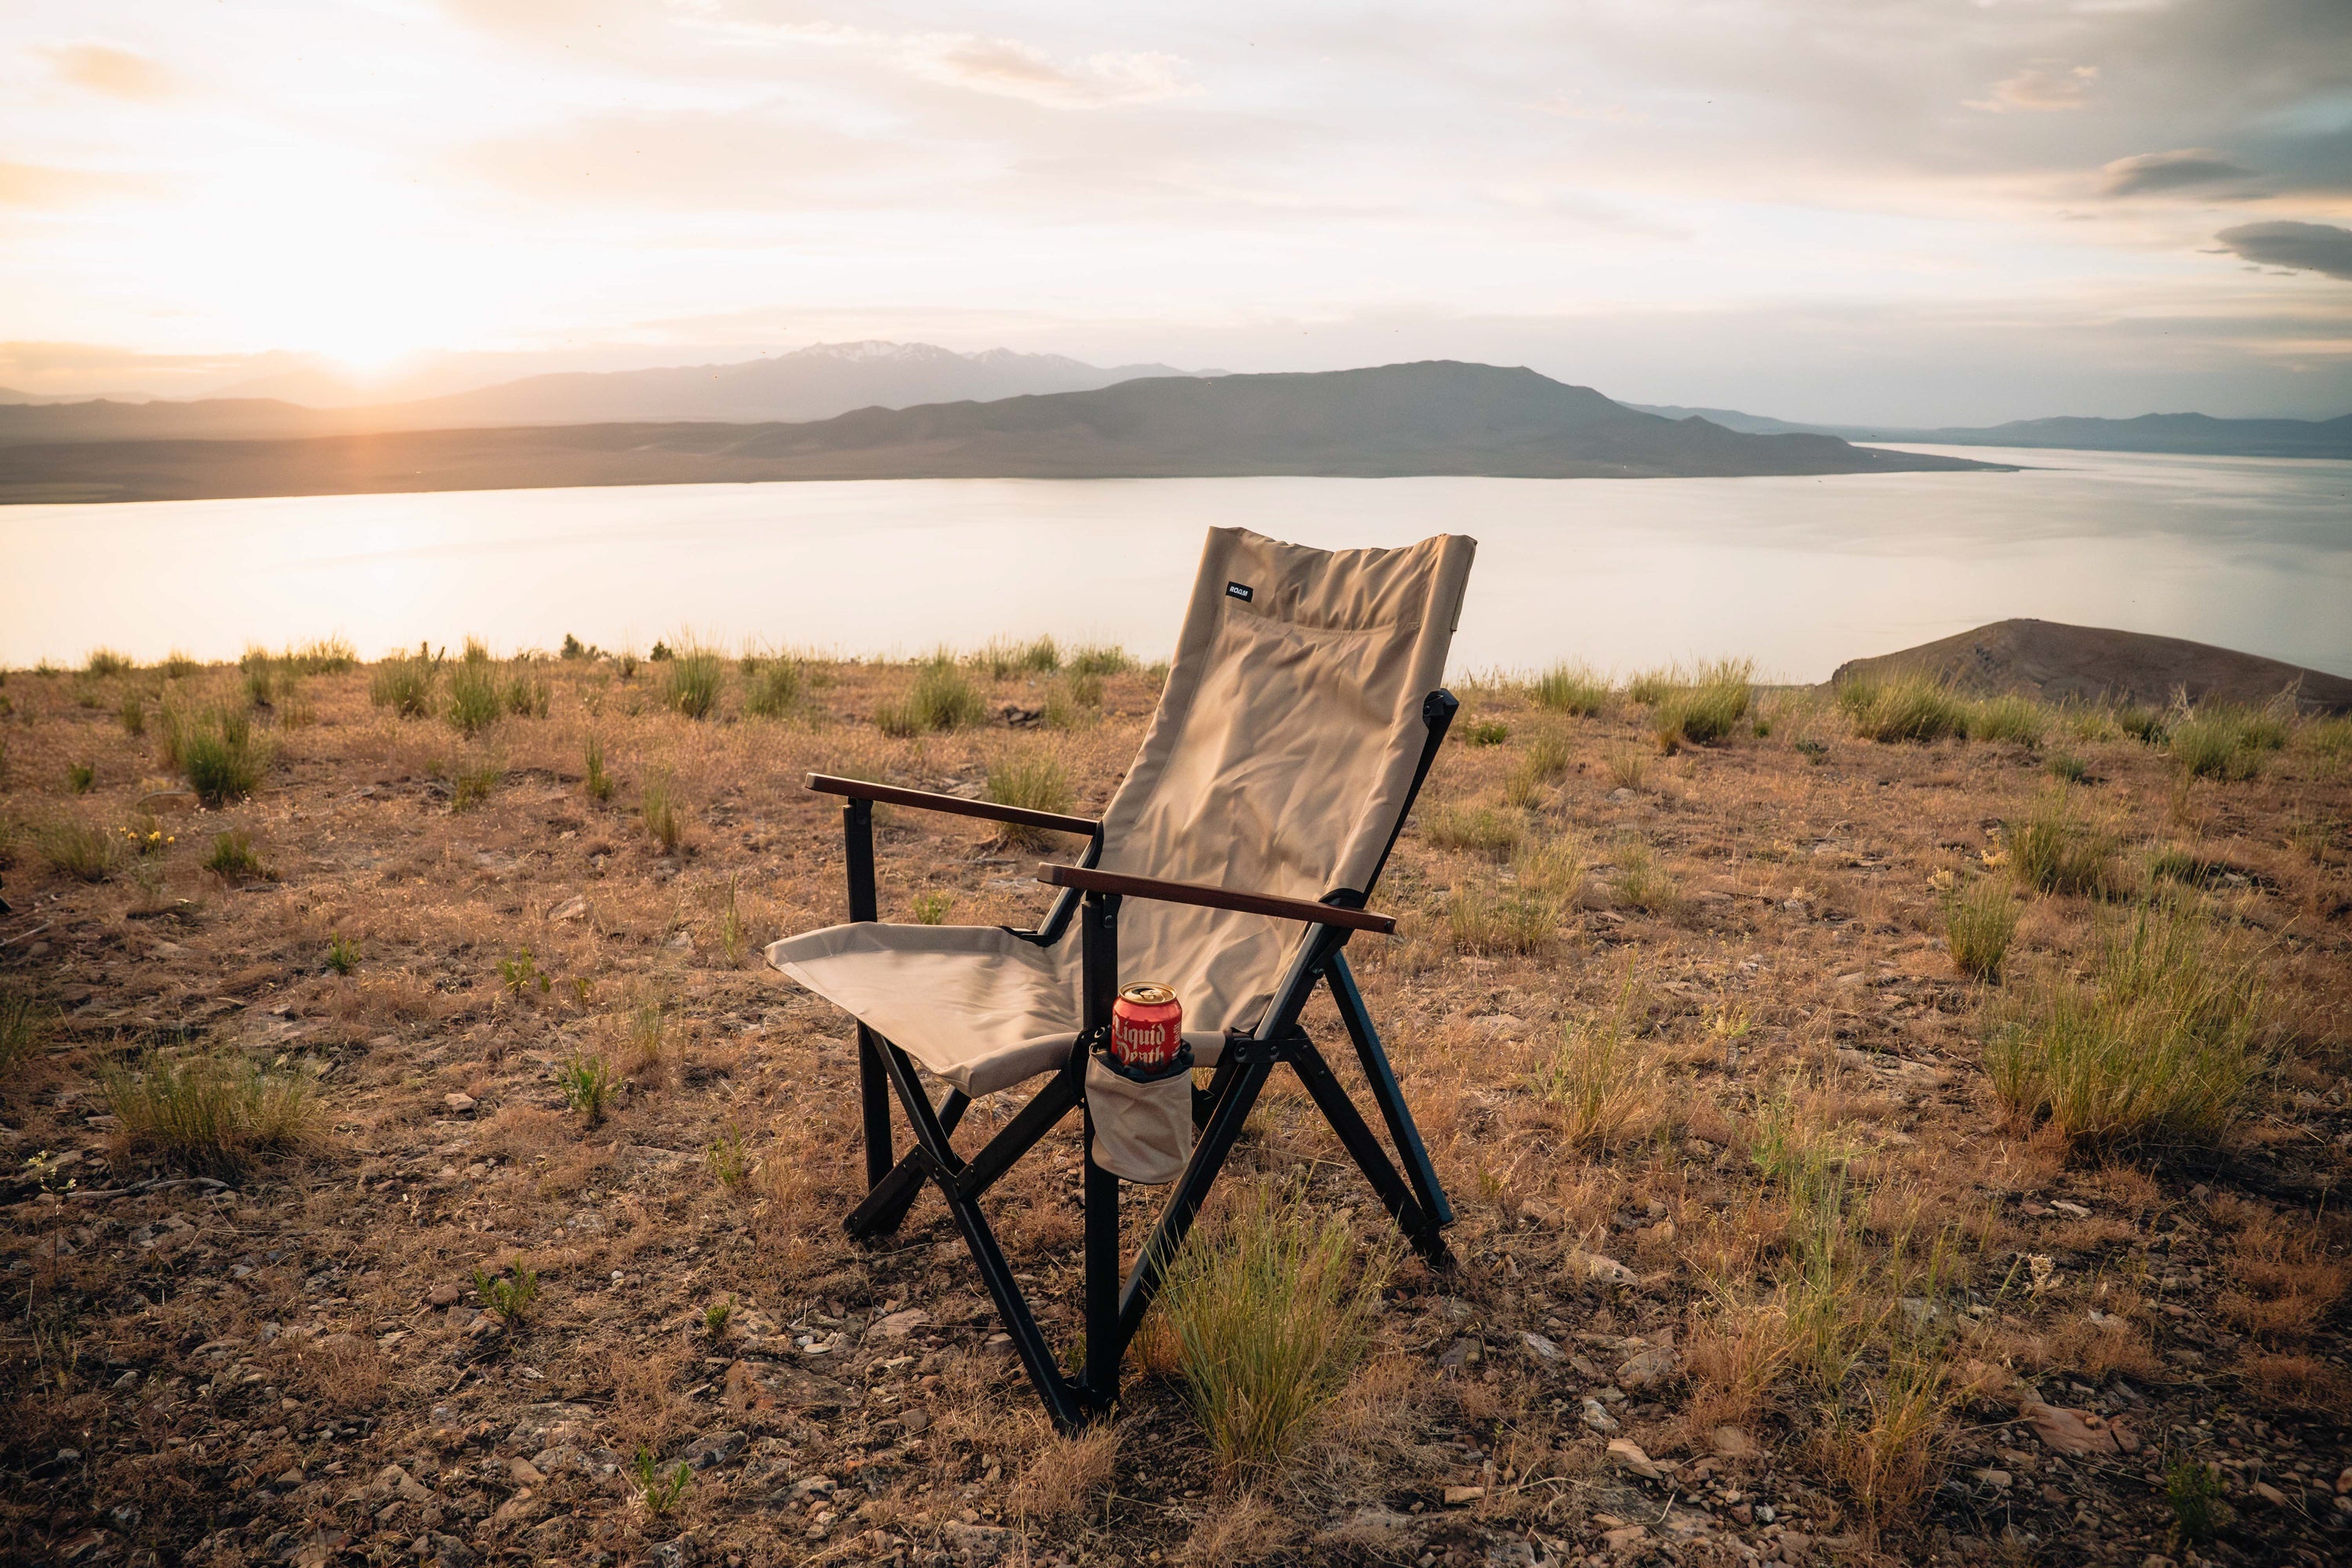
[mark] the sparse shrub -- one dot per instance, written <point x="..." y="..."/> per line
<point x="1572" y="689"/>
<point x="2162" y="1050"/>
<point x="730" y="1162"/>
<point x="522" y="974"/>
<point x="658" y="1489"/>
<point x="648" y="1029"/>
<point x="2066" y="767"/>
<point x="475" y="783"/>
<point x="221" y="757"/>
<point x="1601" y="1083"/>
<point x="1707" y="708"/>
<point x="211" y="1115"/>
<point x="133" y="714"/>
<point x="76" y="849"/>
<point x="23" y="1025"/>
<point x="1004" y="659"/>
<point x="1034" y="781"/>
<point x="233" y="857"/>
<point x="628" y="665"/>
<point x="81" y="777"/>
<point x="2224" y="741"/>
<point x="105" y="662"/>
<point x="508" y="1297"/>
<point x="1885" y="1443"/>
<point x="1812" y="750"/>
<point x="2195" y="1493"/>
<point x="259" y="678"/>
<point x="586" y="1080"/>
<point x="321" y="655"/>
<point x="931" y="909"/>
<point x="474" y="702"/>
<point x="1269" y="1324"/>
<point x="1627" y="767"/>
<point x="2053" y="851"/>
<point x="775" y="689"/>
<point x="2008" y="717"/>
<point x="574" y="648"/>
<point x="691" y="685"/>
<point x="940" y="698"/>
<point x="1902" y="708"/>
<point x="2143" y="724"/>
<point x="1640" y="882"/>
<point x="528" y="694"/>
<point x="597" y="781"/>
<point x="1475" y="829"/>
<point x="1485" y="917"/>
<point x="179" y="666"/>
<point x="1485" y="732"/>
<point x="1094" y="659"/>
<point x="715" y="1316"/>
<point x="1650" y="687"/>
<point x="404" y="684"/>
<point x="1978" y="921"/>
<point x="1545" y="763"/>
<point x="658" y="807"/>
<point x="343" y="955"/>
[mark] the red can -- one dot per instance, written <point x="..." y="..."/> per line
<point x="1147" y="1025"/>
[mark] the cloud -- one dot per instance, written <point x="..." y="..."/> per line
<point x="1007" y="68"/>
<point x="2185" y="167"/>
<point x="2302" y="247"/>
<point x="713" y="163"/>
<point x="118" y="73"/>
<point x="2043" y="86"/>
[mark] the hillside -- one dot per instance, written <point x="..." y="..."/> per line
<point x="2053" y="662"/>
<point x="1433" y="417"/>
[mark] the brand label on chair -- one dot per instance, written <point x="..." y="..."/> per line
<point x="1241" y="591"/>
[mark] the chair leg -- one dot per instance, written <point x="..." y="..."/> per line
<point x="1341" y="1113"/>
<point x="1062" y="1400"/>
<point x="1382" y="1080"/>
<point x="888" y="1200"/>
<point x="1104" y="1348"/>
<point x="874" y="1104"/>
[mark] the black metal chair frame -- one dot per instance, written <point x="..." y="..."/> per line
<point x="1113" y="1309"/>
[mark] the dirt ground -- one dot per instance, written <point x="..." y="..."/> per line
<point x="291" y="1362"/>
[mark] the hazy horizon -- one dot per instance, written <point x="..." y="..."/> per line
<point x="1918" y="214"/>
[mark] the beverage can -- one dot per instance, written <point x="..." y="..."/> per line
<point x="1147" y="1025"/>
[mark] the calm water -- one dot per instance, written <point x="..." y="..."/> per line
<point x="1798" y="573"/>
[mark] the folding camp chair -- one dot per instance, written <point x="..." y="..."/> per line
<point x="1300" y="716"/>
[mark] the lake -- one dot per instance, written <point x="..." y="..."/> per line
<point x="1798" y="573"/>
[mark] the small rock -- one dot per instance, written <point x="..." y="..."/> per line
<point x="1597" y="1417"/>
<point x="458" y="1104"/>
<point x="571" y="909"/>
<point x="2075" y="1432"/>
<point x="1540" y="1348"/>
<point x="1627" y="1454"/>
<point x="291" y="1479"/>
<point x="524" y="1473"/>
<point x="1646" y="1368"/>
<point x="678" y="1553"/>
<point x="898" y="1325"/>
<point x="2270" y="1494"/>
<point x="1593" y="1266"/>
<point x="1462" y="1497"/>
<point x="1998" y="1479"/>
<point x="1462" y="1353"/>
<point x="2062" y="1206"/>
<point x="2344" y="1481"/>
<point x="714" y="1448"/>
<point x="445" y="1294"/>
<point x="1624" y="1538"/>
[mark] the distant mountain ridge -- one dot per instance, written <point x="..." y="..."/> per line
<point x="814" y="383"/>
<point x="1437" y="416"/>
<point x="2055" y="662"/>
<point x="2197" y="435"/>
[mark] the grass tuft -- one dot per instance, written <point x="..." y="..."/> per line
<point x="1902" y="708"/>
<point x="943" y="698"/>
<point x="74" y="847"/>
<point x="1475" y="830"/>
<point x="586" y="1080"/>
<point x="691" y="685"/>
<point x="2008" y="717"/>
<point x="105" y="662"/>
<point x="596" y="781"/>
<point x="211" y="1115"/>
<point x="2162" y="1050"/>
<point x="1600" y="1082"/>
<point x="1572" y="689"/>
<point x="1979" y="922"/>
<point x="2222" y="741"/>
<point x="1270" y="1319"/>
<point x="665" y="824"/>
<point x="474" y="701"/>
<point x="1709" y="708"/>
<point x="775" y="688"/>
<point x="220" y="755"/>
<point x="24" y="1026"/>
<point x="1034" y="781"/>
<point x="404" y="683"/>
<point x="233" y="857"/>
<point x="2053" y="851"/>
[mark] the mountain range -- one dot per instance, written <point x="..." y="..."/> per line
<point x="2187" y="434"/>
<point x="1438" y="416"/>
<point x="810" y="384"/>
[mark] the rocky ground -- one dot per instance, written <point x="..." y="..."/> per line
<point x="292" y="1361"/>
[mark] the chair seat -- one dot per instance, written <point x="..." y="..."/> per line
<point x="973" y="1005"/>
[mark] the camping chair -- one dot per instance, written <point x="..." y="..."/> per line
<point x="1300" y="716"/>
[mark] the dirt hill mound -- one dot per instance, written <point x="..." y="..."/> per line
<point x="2051" y="661"/>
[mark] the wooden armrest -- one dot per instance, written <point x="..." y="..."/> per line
<point x="1091" y="882"/>
<point x="953" y="805"/>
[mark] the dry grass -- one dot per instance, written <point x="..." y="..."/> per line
<point x="1066" y="1475"/>
<point x="209" y="1115"/>
<point x="1980" y="921"/>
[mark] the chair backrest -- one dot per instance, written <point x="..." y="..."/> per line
<point x="1283" y="753"/>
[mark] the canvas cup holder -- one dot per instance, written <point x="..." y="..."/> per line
<point x="1142" y="1117"/>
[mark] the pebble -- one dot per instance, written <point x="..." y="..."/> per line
<point x="1627" y="1454"/>
<point x="1460" y="1497"/>
<point x="1597" y="1416"/>
<point x="458" y="1104"/>
<point x="445" y="1294"/>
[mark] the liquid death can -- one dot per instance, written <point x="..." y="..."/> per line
<point x="1147" y="1025"/>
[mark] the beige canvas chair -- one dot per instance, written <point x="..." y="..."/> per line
<point x="1302" y="712"/>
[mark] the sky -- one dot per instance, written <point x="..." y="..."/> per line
<point x="1889" y="211"/>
